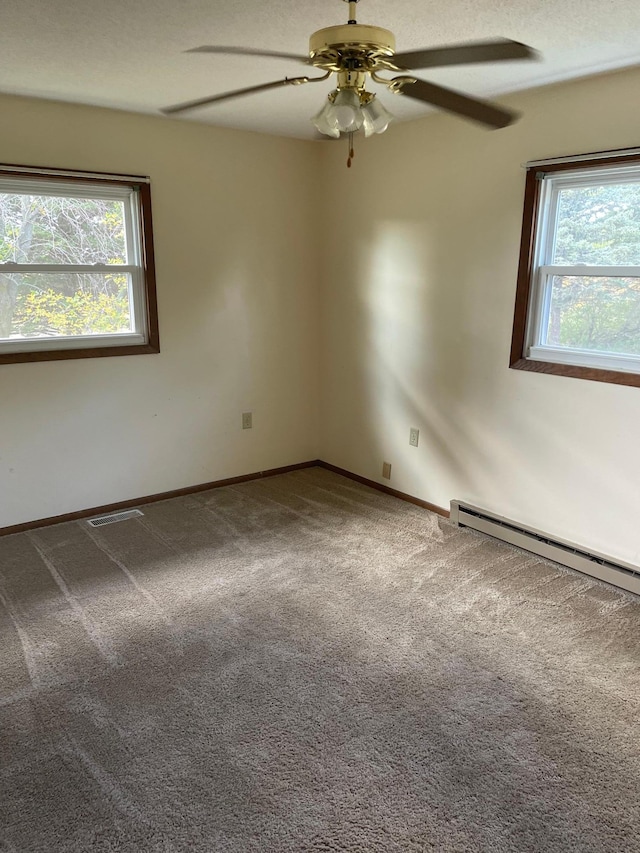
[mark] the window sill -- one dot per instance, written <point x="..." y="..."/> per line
<point x="87" y="352"/>
<point x="595" y="374"/>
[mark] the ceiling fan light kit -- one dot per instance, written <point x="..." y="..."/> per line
<point x="357" y="53"/>
<point x="347" y="111"/>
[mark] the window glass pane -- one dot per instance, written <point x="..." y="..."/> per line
<point x="40" y="229"/>
<point x="595" y="313"/>
<point x="598" y="225"/>
<point x="36" y="305"/>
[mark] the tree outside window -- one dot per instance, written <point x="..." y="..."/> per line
<point x="578" y="299"/>
<point x="76" y="268"/>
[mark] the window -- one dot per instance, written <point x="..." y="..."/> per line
<point x="578" y="298"/>
<point x="76" y="266"/>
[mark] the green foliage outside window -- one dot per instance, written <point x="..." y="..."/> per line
<point x="61" y="230"/>
<point x="85" y="312"/>
<point x="597" y="225"/>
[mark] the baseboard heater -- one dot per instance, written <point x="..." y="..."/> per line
<point x="568" y="554"/>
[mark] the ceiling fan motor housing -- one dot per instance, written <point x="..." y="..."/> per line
<point x="329" y="47"/>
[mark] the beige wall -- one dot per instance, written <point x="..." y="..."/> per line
<point x="422" y="238"/>
<point x="418" y="279"/>
<point x="236" y="264"/>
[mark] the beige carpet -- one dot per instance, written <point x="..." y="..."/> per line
<point x="303" y="664"/>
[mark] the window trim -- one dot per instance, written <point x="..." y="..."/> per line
<point x="49" y="349"/>
<point x="523" y="316"/>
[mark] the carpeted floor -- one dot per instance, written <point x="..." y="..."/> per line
<point x="303" y="664"/>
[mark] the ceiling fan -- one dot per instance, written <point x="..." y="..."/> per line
<point x="356" y="52"/>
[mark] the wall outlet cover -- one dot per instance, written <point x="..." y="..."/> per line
<point x="386" y="470"/>
<point x="414" y="435"/>
<point x="247" y="420"/>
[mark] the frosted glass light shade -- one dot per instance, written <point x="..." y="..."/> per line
<point x="343" y="112"/>
<point x="325" y="121"/>
<point x="376" y="117"/>
<point x="348" y="111"/>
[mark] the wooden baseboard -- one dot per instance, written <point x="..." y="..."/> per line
<point x="148" y="499"/>
<point x="382" y="488"/>
<point x="216" y="484"/>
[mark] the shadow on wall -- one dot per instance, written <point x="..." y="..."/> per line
<point x="420" y="347"/>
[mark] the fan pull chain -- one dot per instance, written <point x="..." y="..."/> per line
<point x="351" y="151"/>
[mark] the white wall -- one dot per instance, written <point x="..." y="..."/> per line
<point x="235" y="239"/>
<point x="422" y="238"/>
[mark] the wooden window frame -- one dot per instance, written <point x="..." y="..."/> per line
<point x="526" y="269"/>
<point x="147" y="264"/>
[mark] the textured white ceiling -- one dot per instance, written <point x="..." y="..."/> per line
<point x="129" y="55"/>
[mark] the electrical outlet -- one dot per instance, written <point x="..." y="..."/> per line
<point x="247" y="420"/>
<point x="386" y="470"/>
<point x="414" y="435"/>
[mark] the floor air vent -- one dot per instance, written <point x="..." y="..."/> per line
<point x="113" y="517"/>
<point x="591" y="563"/>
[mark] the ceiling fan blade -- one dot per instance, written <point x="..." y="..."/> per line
<point x="248" y="51"/>
<point x="454" y="102"/>
<point x="484" y="51"/>
<point x="203" y="102"/>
